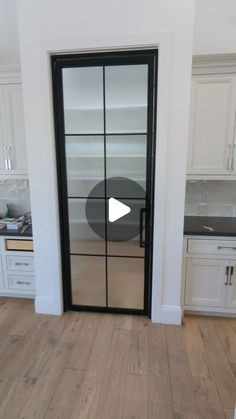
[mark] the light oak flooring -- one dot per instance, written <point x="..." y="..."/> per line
<point x="107" y="366"/>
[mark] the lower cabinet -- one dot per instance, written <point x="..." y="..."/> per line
<point x="210" y="280"/>
<point x="16" y="268"/>
<point x="205" y="282"/>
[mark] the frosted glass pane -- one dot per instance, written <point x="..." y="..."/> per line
<point x="126" y="98"/>
<point x="126" y="157"/>
<point x="83" y="100"/>
<point x="85" y="164"/>
<point x="125" y="282"/>
<point x="88" y="280"/>
<point x="82" y="237"/>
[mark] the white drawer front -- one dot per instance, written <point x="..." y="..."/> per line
<point x="22" y="282"/>
<point x="20" y="263"/>
<point x="217" y="247"/>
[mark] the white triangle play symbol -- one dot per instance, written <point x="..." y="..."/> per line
<point x="117" y="209"/>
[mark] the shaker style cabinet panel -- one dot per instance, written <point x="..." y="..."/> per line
<point x="205" y="282"/>
<point x="210" y="277"/>
<point x="2" y="131"/>
<point x="12" y="131"/>
<point x="212" y="125"/>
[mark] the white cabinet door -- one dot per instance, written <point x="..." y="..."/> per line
<point x="16" y="127"/>
<point x="212" y="118"/>
<point x="205" y="282"/>
<point x="231" y="288"/>
<point x="233" y="159"/>
<point x="3" y="129"/>
<point x="12" y="130"/>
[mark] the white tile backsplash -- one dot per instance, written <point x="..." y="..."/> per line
<point x="211" y="198"/>
<point x="14" y="192"/>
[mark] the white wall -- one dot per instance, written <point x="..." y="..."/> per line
<point x="215" y="27"/>
<point x="75" y="25"/>
<point x="9" y="46"/>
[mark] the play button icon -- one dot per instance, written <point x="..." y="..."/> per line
<point x="117" y="210"/>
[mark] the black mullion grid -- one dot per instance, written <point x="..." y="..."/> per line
<point x="145" y="301"/>
<point x="152" y="176"/>
<point x="105" y="176"/>
<point x="59" y="127"/>
<point x="102" y="134"/>
<point x="124" y="58"/>
<point x="97" y="197"/>
<point x="150" y="172"/>
<point x="108" y="255"/>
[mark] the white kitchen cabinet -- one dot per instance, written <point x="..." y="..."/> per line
<point x="16" y="267"/>
<point x="209" y="275"/>
<point x="212" y="136"/>
<point x="13" y="159"/>
<point x="205" y="282"/>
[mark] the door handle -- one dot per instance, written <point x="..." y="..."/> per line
<point x="231" y="274"/>
<point x="142" y="227"/>
<point x="227" y="275"/>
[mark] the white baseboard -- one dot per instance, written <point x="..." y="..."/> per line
<point x="45" y="305"/>
<point x="169" y="314"/>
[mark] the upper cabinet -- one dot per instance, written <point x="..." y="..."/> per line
<point x="13" y="159"/>
<point x="212" y="137"/>
<point x="212" y="129"/>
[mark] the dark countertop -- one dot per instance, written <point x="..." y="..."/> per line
<point x="14" y="233"/>
<point x="222" y="226"/>
<point x="193" y="226"/>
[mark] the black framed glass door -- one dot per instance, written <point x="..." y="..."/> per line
<point x="104" y="109"/>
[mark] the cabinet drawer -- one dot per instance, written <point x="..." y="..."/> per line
<point x="23" y="245"/>
<point x="20" y="263"/>
<point x="217" y="247"/>
<point x="22" y="282"/>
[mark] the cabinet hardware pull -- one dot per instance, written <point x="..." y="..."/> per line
<point x="8" y="149"/>
<point x="230" y="158"/>
<point x="226" y="247"/>
<point x="231" y="274"/>
<point x="5" y="157"/>
<point x="23" y="283"/>
<point x="234" y="145"/>
<point x="21" y="264"/>
<point x="227" y="275"/>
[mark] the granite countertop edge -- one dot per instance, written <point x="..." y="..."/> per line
<point x="9" y="233"/>
<point x="222" y="226"/>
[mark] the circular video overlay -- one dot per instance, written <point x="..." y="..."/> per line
<point x="123" y="207"/>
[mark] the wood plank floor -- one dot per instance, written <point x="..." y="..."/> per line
<point x="107" y="366"/>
